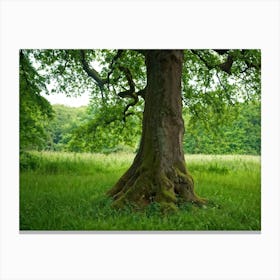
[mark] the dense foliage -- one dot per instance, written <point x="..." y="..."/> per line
<point x="35" y="110"/>
<point x="61" y="127"/>
<point x="221" y="94"/>
<point x="240" y="134"/>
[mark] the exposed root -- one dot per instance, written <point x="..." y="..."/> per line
<point x="165" y="188"/>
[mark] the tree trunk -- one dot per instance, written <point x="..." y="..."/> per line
<point x="158" y="173"/>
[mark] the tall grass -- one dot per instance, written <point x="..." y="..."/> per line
<point x="66" y="191"/>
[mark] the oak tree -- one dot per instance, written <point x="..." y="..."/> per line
<point x="162" y="81"/>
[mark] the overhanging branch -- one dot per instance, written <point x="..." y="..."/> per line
<point x="91" y="71"/>
<point x="128" y="93"/>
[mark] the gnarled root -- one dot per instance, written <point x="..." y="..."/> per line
<point x="140" y="188"/>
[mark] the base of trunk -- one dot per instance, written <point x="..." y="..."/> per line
<point x="139" y="187"/>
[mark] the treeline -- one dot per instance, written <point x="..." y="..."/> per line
<point x="239" y="134"/>
<point x="84" y="130"/>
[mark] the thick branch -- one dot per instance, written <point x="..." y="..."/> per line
<point x="130" y="81"/>
<point x="130" y="93"/>
<point x="91" y="71"/>
<point x="226" y="66"/>
<point x="142" y="93"/>
<point x="134" y="102"/>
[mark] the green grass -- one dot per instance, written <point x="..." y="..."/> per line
<point x="65" y="191"/>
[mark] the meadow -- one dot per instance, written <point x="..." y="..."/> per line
<point x="66" y="191"/>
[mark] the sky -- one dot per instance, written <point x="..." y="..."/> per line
<point x="60" y="98"/>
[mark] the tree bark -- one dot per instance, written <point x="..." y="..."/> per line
<point x="158" y="172"/>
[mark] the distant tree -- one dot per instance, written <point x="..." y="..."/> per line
<point x="66" y="120"/>
<point x="211" y="79"/>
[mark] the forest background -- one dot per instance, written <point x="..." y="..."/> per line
<point x="86" y="129"/>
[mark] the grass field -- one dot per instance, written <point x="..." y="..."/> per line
<point x="65" y="191"/>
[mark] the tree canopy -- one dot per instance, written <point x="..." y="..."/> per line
<point x="209" y="76"/>
<point x="213" y="82"/>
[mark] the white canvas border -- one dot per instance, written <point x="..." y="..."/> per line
<point x="132" y="24"/>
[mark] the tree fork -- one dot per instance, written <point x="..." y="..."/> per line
<point x="158" y="173"/>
